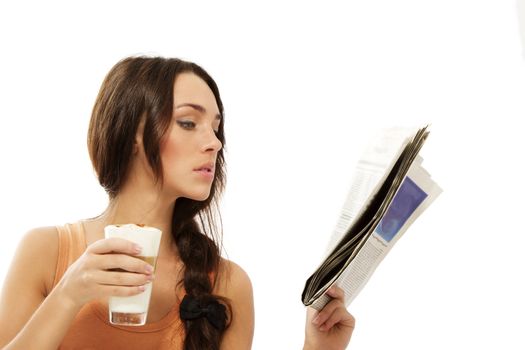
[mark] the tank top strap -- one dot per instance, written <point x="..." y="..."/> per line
<point x="71" y="245"/>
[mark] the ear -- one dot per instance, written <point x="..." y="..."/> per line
<point x="136" y="147"/>
<point x="139" y="136"/>
<point x="137" y="144"/>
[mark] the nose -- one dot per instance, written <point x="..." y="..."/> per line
<point x="212" y="143"/>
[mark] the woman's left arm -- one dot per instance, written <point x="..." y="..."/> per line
<point x="235" y="285"/>
<point x="332" y="327"/>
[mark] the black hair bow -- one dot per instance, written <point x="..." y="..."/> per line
<point x="215" y="312"/>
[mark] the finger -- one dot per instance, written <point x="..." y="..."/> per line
<point x="124" y="263"/>
<point x="122" y="278"/>
<point x="114" y="244"/>
<point x="336" y="293"/>
<point x="327" y="310"/>
<point x="122" y="291"/>
<point x="311" y="312"/>
<point x="339" y="316"/>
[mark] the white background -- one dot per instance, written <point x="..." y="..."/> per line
<point x="304" y="86"/>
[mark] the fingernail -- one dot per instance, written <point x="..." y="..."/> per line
<point x="149" y="269"/>
<point x="142" y="288"/>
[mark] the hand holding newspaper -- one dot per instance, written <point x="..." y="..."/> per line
<point x="389" y="191"/>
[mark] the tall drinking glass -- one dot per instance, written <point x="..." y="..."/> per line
<point x="133" y="310"/>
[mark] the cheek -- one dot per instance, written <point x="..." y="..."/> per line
<point x="171" y="153"/>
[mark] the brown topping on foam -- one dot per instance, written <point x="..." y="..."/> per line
<point x="140" y="225"/>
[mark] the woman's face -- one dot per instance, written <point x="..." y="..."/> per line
<point x="190" y="147"/>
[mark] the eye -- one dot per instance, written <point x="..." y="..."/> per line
<point x="186" y="124"/>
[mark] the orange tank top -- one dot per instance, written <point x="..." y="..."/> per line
<point x="91" y="328"/>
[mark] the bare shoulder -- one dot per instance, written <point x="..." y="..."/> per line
<point x="38" y="251"/>
<point x="27" y="280"/>
<point x="41" y="241"/>
<point x="41" y="235"/>
<point x="234" y="284"/>
<point x="232" y="279"/>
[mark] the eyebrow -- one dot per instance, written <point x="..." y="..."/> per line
<point x="198" y="108"/>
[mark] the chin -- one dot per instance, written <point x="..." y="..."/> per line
<point x="198" y="196"/>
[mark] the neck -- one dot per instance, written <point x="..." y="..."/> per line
<point x="139" y="209"/>
<point x="143" y="203"/>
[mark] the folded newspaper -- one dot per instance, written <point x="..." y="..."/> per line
<point x="389" y="191"/>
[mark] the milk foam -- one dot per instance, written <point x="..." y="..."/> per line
<point x="147" y="237"/>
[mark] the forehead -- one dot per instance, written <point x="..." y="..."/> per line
<point x="190" y="88"/>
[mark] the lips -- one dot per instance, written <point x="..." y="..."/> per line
<point x="208" y="167"/>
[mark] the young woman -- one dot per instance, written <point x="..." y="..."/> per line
<point x="156" y="141"/>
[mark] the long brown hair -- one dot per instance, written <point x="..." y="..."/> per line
<point x="138" y="88"/>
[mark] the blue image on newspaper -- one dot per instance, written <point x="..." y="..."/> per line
<point x="405" y="202"/>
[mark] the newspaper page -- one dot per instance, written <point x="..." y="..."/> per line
<point x="372" y="186"/>
<point x="372" y="168"/>
<point x="415" y="194"/>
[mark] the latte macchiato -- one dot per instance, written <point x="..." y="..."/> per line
<point x="133" y="310"/>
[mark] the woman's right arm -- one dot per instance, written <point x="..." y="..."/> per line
<point x="29" y="319"/>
